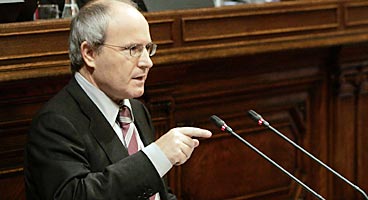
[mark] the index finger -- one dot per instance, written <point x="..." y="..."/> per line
<point x="195" y="132"/>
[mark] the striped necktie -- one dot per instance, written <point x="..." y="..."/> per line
<point x="128" y="130"/>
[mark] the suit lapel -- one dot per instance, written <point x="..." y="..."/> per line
<point x="99" y="127"/>
<point x="107" y="138"/>
<point x="140" y="117"/>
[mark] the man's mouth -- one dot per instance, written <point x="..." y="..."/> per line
<point x="139" y="78"/>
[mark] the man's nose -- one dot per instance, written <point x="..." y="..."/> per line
<point x="145" y="60"/>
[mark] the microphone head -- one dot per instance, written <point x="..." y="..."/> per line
<point x="217" y="121"/>
<point x="255" y="116"/>
<point x="258" y="118"/>
<point x="220" y="123"/>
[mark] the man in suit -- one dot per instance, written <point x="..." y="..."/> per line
<point x="75" y="148"/>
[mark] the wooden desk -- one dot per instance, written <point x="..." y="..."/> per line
<point x="301" y="64"/>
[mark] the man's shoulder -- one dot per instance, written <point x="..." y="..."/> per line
<point x="62" y="102"/>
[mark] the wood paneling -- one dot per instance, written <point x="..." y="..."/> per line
<point x="301" y="64"/>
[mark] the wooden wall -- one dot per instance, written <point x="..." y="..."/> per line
<point x="303" y="65"/>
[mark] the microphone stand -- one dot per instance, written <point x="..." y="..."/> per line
<point x="222" y="125"/>
<point x="261" y="121"/>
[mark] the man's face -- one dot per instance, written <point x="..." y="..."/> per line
<point x="117" y="73"/>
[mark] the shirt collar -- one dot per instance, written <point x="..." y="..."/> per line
<point x="108" y="107"/>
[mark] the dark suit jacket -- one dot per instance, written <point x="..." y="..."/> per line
<point x="73" y="153"/>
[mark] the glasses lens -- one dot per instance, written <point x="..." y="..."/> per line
<point x="151" y="48"/>
<point x="136" y="50"/>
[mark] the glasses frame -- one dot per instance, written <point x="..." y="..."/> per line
<point x="136" y="50"/>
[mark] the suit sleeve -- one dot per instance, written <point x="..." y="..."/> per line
<point x="58" y="167"/>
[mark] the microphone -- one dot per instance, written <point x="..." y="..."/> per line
<point x="257" y="117"/>
<point x="225" y="128"/>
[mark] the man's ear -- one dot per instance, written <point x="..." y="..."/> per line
<point x="88" y="54"/>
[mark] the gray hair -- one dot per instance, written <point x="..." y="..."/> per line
<point x="90" y="25"/>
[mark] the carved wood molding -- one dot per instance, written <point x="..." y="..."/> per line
<point x="195" y="102"/>
<point x="223" y="61"/>
<point x="352" y="79"/>
<point x="222" y="148"/>
<point x="349" y="131"/>
<point x="194" y="35"/>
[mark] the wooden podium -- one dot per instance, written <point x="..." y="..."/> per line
<point x="303" y="65"/>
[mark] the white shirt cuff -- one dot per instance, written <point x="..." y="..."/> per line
<point x="158" y="158"/>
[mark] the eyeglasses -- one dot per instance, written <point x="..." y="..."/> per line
<point x="136" y="50"/>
